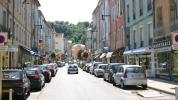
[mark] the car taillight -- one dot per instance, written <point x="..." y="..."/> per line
<point x="36" y="76"/>
<point x="46" y="72"/>
<point x="125" y="74"/>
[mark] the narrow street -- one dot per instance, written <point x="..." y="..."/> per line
<point x="84" y="86"/>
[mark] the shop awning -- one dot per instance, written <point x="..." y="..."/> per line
<point x="103" y="55"/>
<point x="129" y="52"/>
<point x="141" y="50"/>
<point x="96" y="56"/>
<point x="109" y="54"/>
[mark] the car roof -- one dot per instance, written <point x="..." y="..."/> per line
<point x="131" y="66"/>
<point x="102" y="64"/>
<point x="116" y="63"/>
<point x="33" y="69"/>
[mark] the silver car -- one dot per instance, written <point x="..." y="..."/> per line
<point x="130" y="75"/>
<point x="99" y="71"/>
<point x="72" y="69"/>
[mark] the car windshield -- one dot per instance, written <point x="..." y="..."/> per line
<point x="73" y="66"/>
<point x="102" y="66"/>
<point x="11" y="75"/>
<point x="43" y="67"/>
<point x="31" y="72"/>
<point x="135" y="70"/>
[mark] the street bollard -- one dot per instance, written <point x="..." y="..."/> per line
<point x="10" y="94"/>
<point x="176" y="92"/>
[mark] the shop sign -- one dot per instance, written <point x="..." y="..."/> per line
<point x="9" y="48"/>
<point x="3" y="48"/>
<point x="164" y="49"/>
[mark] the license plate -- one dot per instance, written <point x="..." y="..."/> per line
<point x="6" y="91"/>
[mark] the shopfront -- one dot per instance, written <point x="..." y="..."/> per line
<point x="12" y="55"/>
<point x="164" y="65"/>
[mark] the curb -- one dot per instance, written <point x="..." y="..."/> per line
<point x="167" y="92"/>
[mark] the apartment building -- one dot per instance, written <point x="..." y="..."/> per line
<point x="165" y="39"/>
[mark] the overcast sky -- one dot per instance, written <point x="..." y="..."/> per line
<point x="72" y="11"/>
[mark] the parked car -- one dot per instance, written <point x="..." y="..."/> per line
<point x="59" y="64"/>
<point x="88" y="65"/>
<point x="53" y="68"/>
<point x="36" y="78"/>
<point x="15" y="79"/>
<point x="93" y="67"/>
<point x="109" y="70"/>
<point x="130" y="75"/>
<point x="46" y="72"/>
<point x="72" y="68"/>
<point x="99" y="71"/>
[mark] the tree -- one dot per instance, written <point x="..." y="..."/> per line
<point x="73" y="32"/>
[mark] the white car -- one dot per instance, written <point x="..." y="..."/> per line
<point x="99" y="71"/>
<point x="72" y="69"/>
<point x="130" y="75"/>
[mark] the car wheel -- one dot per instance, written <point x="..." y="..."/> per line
<point x="40" y="88"/>
<point x="23" y="96"/>
<point x="122" y="84"/>
<point x="144" y="86"/>
<point x="113" y="82"/>
<point x="104" y="78"/>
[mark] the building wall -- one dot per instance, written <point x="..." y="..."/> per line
<point x="59" y="42"/>
<point x="139" y="21"/>
<point x="113" y="23"/>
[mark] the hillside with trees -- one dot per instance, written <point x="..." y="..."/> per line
<point x="74" y="32"/>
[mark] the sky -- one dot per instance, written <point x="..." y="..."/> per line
<point x="72" y="11"/>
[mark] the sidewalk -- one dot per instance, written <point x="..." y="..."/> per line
<point x="162" y="85"/>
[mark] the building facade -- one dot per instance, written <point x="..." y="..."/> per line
<point x="139" y="33"/>
<point x="19" y="28"/>
<point x="165" y="39"/>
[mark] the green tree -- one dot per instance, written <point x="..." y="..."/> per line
<point x="76" y="33"/>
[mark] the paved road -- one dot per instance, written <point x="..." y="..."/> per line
<point x="84" y="86"/>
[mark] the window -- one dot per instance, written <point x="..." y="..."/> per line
<point x="121" y="6"/>
<point x="159" y="17"/>
<point x="4" y="19"/>
<point x="173" y="10"/>
<point x="134" y="9"/>
<point x="141" y="7"/>
<point x="141" y="33"/>
<point x="128" y="11"/>
<point x="149" y="5"/>
<point x="150" y="30"/>
<point x="134" y="41"/>
<point x="141" y="37"/>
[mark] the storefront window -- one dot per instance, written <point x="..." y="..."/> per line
<point x="144" y="61"/>
<point x="175" y="67"/>
<point x="132" y="60"/>
<point x="163" y="69"/>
